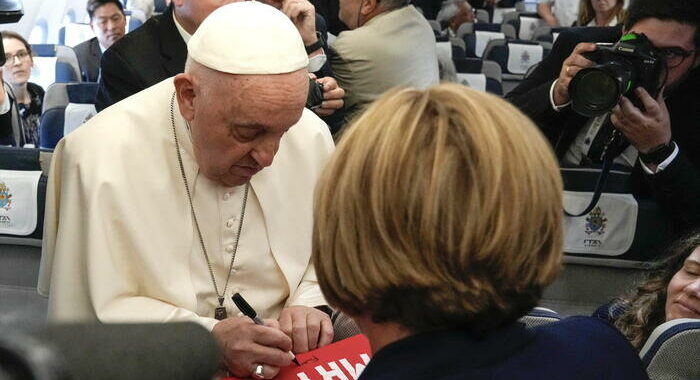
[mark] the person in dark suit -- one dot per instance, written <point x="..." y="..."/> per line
<point x="439" y="230"/>
<point x="329" y="10"/>
<point x="108" y="22"/>
<point x="157" y="50"/>
<point x="664" y="135"/>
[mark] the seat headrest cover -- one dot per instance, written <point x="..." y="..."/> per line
<point x="672" y="350"/>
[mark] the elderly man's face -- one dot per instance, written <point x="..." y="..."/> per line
<point x="238" y="124"/>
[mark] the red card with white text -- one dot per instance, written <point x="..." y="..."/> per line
<point x="341" y="360"/>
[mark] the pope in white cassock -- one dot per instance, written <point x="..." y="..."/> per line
<point x="165" y="204"/>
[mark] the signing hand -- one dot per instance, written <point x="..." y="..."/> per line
<point x="303" y="15"/>
<point x="245" y="345"/>
<point x="645" y="130"/>
<point x="572" y="65"/>
<point x="309" y="328"/>
<point x="332" y="97"/>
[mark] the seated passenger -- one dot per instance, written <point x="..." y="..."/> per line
<point x="390" y="44"/>
<point x="453" y="14"/>
<point x="558" y="13"/>
<point x="20" y="100"/>
<point x="671" y="292"/>
<point x="437" y="224"/>
<point x="600" y="13"/>
<point x="108" y="22"/>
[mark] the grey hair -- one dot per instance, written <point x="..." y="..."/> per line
<point x="449" y="9"/>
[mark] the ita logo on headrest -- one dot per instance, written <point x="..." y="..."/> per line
<point x="596" y="222"/>
<point x="5" y="197"/>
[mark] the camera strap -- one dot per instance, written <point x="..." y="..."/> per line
<point x="612" y="149"/>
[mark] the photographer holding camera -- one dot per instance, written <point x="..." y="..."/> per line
<point x="662" y="130"/>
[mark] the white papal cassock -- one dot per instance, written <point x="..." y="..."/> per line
<point x="119" y="240"/>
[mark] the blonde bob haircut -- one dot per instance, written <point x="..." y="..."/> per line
<point x="441" y="208"/>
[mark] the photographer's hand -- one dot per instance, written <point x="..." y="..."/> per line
<point x="303" y="15"/>
<point x="645" y="130"/>
<point x="572" y="65"/>
<point x="332" y="97"/>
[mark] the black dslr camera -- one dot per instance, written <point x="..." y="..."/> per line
<point x="315" y="96"/>
<point x="630" y="63"/>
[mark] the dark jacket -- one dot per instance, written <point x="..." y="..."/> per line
<point x="20" y="125"/>
<point x="676" y="187"/>
<point x="150" y="54"/>
<point x="576" y="348"/>
<point x="89" y="54"/>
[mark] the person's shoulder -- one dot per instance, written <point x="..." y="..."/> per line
<point x="144" y="38"/>
<point x="579" y="327"/>
<point x="586" y="335"/>
<point x="309" y="132"/>
<point x="85" y="45"/>
<point x="311" y="124"/>
<point x="35" y="89"/>
<point x="129" y="124"/>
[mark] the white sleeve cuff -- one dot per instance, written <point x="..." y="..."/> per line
<point x="5" y="106"/>
<point x="551" y="98"/>
<point x="663" y="165"/>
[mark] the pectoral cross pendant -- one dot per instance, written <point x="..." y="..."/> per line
<point x="220" y="311"/>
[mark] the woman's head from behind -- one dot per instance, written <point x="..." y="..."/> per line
<point x="672" y="291"/>
<point x="441" y="208"/>
<point x="18" y="56"/>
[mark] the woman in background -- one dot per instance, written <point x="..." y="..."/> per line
<point x="20" y="100"/>
<point x="670" y="292"/>
<point x="437" y="224"/>
<point x="600" y="13"/>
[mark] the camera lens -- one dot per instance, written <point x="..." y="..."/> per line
<point x="594" y="92"/>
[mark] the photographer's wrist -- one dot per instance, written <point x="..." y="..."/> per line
<point x="557" y="100"/>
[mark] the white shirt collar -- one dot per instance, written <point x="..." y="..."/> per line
<point x="183" y="33"/>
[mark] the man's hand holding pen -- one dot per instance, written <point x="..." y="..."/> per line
<point x="245" y="346"/>
<point x="259" y="348"/>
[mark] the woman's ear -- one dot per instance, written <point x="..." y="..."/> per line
<point x="184" y="91"/>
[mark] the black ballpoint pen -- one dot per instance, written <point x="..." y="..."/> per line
<point x="249" y="312"/>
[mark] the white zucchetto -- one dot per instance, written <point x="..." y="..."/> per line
<point x="248" y="37"/>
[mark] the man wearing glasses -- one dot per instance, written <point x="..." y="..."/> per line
<point x="108" y="22"/>
<point x="664" y="136"/>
